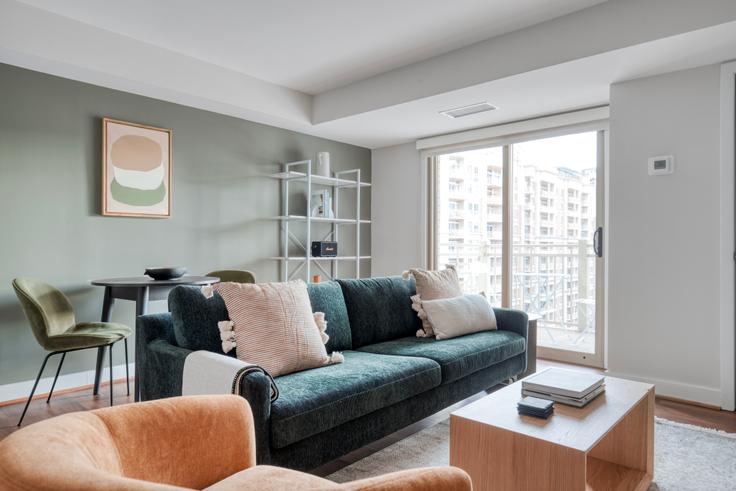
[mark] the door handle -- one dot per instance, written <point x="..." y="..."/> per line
<point x="598" y="242"/>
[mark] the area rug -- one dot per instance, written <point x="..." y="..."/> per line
<point x="686" y="457"/>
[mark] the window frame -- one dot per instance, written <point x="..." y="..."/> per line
<point x="430" y="159"/>
<point x="428" y="251"/>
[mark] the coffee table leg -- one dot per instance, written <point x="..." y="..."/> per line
<point x="107" y="304"/>
<point x="630" y="445"/>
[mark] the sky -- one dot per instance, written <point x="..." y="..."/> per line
<point x="575" y="152"/>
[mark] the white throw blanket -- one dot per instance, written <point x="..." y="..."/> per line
<point x="211" y="373"/>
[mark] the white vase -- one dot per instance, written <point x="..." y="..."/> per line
<point x="323" y="164"/>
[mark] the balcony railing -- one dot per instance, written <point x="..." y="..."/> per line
<point x="555" y="280"/>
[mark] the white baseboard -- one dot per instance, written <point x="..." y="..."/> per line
<point x="20" y="390"/>
<point x="669" y="388"/>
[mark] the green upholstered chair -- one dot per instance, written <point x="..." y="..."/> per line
<point x="51" y="316"/>
<point x="234" y="275"/>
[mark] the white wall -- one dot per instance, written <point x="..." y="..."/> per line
<point x="663" y="324"/>
<point x="663" y="232"/>
<point x="396" y="202"/>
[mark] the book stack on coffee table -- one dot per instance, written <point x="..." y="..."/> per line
<point x="564" y="386"/>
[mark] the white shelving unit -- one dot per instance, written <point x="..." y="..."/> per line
<point x="301" y="172"/>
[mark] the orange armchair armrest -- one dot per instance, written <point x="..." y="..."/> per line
<point x="426" y="479"/>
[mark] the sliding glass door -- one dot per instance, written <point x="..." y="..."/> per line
<point x="556" y="264"/>
<point x="522" y="223"/>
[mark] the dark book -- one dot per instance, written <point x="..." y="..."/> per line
<point x="536" y="415"/>
<point x="533" y="406"/>
<point x="535" y="403"/>
<point x="535" y="411"/>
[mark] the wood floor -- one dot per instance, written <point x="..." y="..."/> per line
<point x="82" y="400"/>
<point x="61" y="403"/>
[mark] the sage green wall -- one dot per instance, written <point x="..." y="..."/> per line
<point x="50" y="226"/>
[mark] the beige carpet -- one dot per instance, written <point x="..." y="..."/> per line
<point x="685" y="457"/>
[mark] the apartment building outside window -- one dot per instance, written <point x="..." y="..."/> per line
<point x="552" y="214"/>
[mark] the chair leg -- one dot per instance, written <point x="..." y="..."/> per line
<point x="33" y="390"/>
<point x="127" y="375"/>
<point x="99" y="367"/>
<point x="58" y="370"/>
<point x="111" y="387"/>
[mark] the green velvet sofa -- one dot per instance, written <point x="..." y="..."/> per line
<point x="390" y="378"/>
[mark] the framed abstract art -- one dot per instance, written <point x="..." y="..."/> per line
<point x="136" y="170"/>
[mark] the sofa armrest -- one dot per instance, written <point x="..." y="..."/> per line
<point x="161" y="370"/>
<point x="159" y="361"/>
<point x="515" y="321"/>
<point x="256" y="388"/>
<point x="428" y="479"/>
<point x="512" y="320"/>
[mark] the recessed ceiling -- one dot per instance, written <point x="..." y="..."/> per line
<point x="311" y="45"/>
<point x="574" y="85"/>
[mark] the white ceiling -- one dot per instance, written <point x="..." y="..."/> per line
<point x="567" y="86"/>
<point x="311" y="45"/>
<point x="371" y="73"/>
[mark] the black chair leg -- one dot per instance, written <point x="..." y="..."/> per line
<point x="127" y="375"/>
<point x="58" y="370"/>
<point x="33" y="390"/>
<point x="99" y="367"/>
<point x="111" y="386"/>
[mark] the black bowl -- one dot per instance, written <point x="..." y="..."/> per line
<point x="166" y="273"/>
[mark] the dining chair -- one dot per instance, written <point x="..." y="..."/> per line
<point x="234" y="275"/>
<point x="54" y="326"/>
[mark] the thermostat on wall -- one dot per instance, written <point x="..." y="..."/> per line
<point x="661" y="165"/>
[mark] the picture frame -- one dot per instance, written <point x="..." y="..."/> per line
<point x="136" y="170"/>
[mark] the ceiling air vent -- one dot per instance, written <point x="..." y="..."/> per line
<point x="459" y="112"/>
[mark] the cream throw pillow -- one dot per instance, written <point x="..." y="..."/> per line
<point x="274" y="326"/>
<point x="452" y="317"/>
<point x="433" y="285"/>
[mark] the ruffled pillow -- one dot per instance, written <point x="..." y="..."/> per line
<point x="432" y="285"/>
<point x="272" y="325"/>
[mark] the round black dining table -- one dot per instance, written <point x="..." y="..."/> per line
<point x="141" y="290"/>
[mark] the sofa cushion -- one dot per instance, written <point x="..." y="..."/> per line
<point x="314" y="401"/>
<point x="195" y="318"/>
<point x="327" y="297"/>
<point x="458" y="357"/>
<point x="379" y="309"/>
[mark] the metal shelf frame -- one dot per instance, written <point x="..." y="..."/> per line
<point x="301" y="172"/>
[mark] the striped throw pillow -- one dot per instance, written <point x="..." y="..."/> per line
<point x="274" y="326"/>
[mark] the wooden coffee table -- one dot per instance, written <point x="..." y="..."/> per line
<point x="607" y="445"/>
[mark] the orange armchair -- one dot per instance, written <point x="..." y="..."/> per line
<point x="200" y="442"/>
